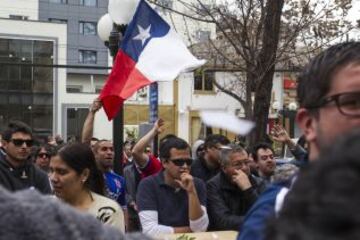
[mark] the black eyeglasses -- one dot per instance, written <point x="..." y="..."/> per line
<point x="43" y="155"/>
<point x="20" y="142"/>
<point x="347" y="103"/>
<point x="181" y="161"/>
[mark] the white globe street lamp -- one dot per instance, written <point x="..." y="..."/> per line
<point x="122" y="11"/>
<point x="104" y="27"/>
<point x="276" y="106"/>
<point x="293" y="106"/>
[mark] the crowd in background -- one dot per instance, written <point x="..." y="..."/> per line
<point x="215" y="184"/>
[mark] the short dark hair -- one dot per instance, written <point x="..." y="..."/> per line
<point x="96" y="145"/>
<point x="213" y="139"/>
<point x="261" y="145"/>
<point x="172" y="142"/>
<point x="324" y="199"/>
<point x="315" y="80"/>
<point x="14" y="127"/>
<point x="79" y="157"/>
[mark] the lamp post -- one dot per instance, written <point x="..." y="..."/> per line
<point x="292" y="113"/>
<point x="111" y="28"/>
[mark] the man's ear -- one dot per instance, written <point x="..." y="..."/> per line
<point x="4" y="143"/>
<point x="308" y="124"/>
<point x="165" y="163"/>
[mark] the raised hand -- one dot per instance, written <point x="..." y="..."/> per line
<point x="96" y="105"/>
<point x="186" y="182"/>
<point x="159" y="125"/>
<point x="279" y="134"/>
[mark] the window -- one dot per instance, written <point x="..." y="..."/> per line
<point x="98" y="89"/>
<point x="87" y="56"/>
<point x="74" y="89"/>
<point x="89" y="3"/>
<point x="18" y="17"/>
<point x="87" y="28"/>
<point x="203" y="81"/>
<point x="58" y="1"/>
<point x="27" y="92"/>
<point x="57" y="20"/>
<point x="202" y="36"/>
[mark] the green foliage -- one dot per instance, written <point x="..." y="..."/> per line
<point x="185" y="237"/>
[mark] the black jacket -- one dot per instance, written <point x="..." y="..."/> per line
<point x="227" y="203"/>
<point x="200" y="170"/>
<point x="27" y="176"/>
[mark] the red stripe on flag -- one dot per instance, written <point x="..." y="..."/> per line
<point x="124" y="81"/>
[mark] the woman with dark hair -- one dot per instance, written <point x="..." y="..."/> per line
<point x="77" y="181"/>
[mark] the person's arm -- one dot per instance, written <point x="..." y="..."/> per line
<point x="88" y="127"/>
<point x="256" y="218"/>
<point x="219" y="213"/>
<point x="148" y="214"/>
<point x="151" y="226"/>
<point x="279" y="134"/>
<point x="198" y="218"/>
<point x="138" y="154"/>
<point x="241" y="179"/>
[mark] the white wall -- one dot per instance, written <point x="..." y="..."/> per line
<point x="188" y="101"/>
<point x="28" y="8"/>
<point x="43" y="31"/>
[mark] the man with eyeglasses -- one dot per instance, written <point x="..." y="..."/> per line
<point x="329" y="95"/>
<point x="263" y="155"/>
<point x="17" y="172"/>
<point x="173" y="201"/>
<point x="233" y="190"/>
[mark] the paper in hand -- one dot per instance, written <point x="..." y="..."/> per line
<point x="227" y="121"/>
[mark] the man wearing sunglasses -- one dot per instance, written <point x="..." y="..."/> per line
<point x="329" y="97"/>
<point x="173" y="201"/>
<point x="16" y="170"/>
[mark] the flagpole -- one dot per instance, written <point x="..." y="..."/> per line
<point x="118" y="122"/>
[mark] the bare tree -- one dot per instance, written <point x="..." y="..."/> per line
<point x="256" y="36"/>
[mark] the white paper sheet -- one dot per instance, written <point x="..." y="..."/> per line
<point x="227" y="121"/>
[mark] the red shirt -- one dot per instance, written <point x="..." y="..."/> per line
<point x="152" y="167"/>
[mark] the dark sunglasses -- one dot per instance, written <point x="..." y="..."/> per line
<point x="20" y="142"/>
<point x="181" y="161"/>
<point x="43" y="155"/>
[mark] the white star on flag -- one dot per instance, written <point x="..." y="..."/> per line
<point x="144" y="34"/>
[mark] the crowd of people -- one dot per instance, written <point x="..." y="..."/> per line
<point x="213" y="185"/>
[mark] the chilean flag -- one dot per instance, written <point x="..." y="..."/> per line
<point x="150" y="51"/>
